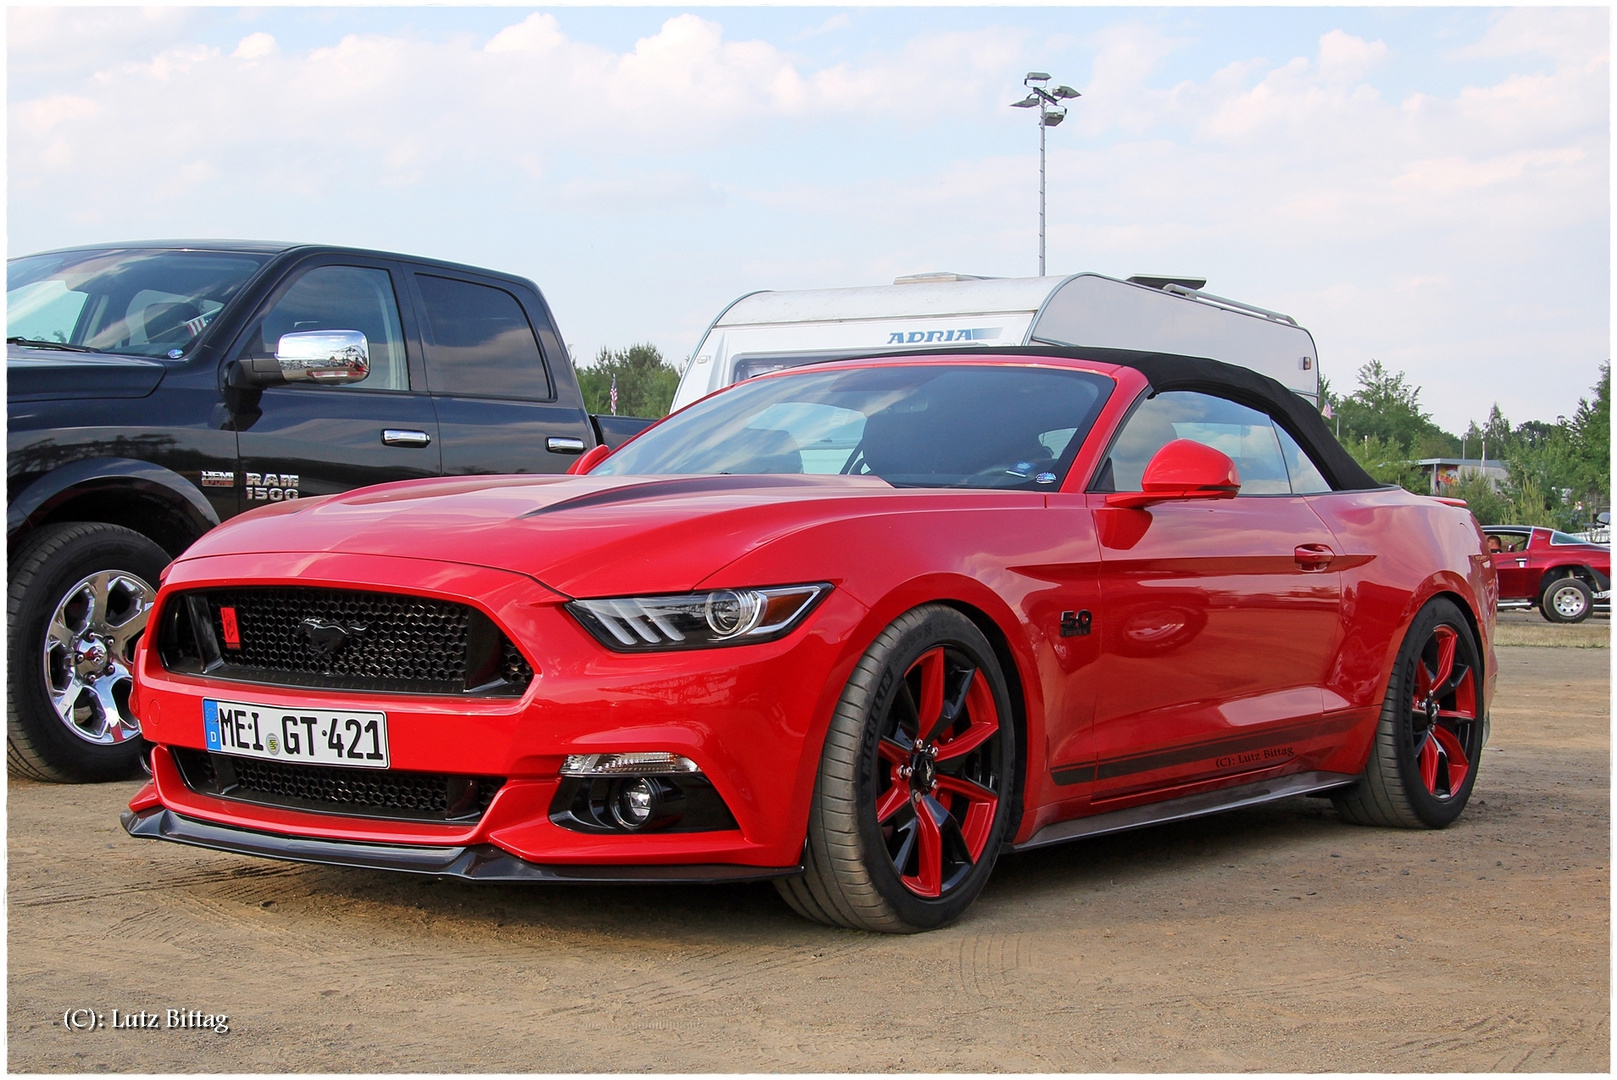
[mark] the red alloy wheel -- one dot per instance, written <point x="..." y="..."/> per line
<point x="1442" y="712"/>
<point x="938" y="785"/>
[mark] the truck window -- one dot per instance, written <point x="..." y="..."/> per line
<point x="144" y="302"/>
<point x="481" y="344"/>
<point x="343" y="298"/>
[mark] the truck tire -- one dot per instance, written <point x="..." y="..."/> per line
<point x="1566" y="600"/>
<point x="77" y="600"/>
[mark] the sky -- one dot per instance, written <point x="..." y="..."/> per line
<point x="1428" y="187"/>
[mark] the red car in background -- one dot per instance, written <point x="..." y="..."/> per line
<point x="1564" y="577"/>
<point x="858" y="628"/>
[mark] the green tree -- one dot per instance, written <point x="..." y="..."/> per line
<point x="646" y="385"/>
<point x="1589" y="435"/>
<point x="1386" y="407"/>
<point x="1490" y="507"/>
<point x="1386" y="462"/>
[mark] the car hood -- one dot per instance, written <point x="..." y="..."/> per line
<point x="581" y="536"/>
<point x="44" y="374"/>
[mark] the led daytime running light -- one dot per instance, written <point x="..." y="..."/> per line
<point x="696" y="620"/>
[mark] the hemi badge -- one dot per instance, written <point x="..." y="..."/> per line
<point x="227" y="620"/>
<point x="218" y="479"/>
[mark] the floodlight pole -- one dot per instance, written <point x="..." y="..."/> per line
<point x="1042" y="126"/>
<point x="1051" y="113"/>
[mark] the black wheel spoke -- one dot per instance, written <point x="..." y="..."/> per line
<point x="954" y="841"/>
<point x="953" y="708"/>
<point x="907" y="700"/>
<point x="910" y="830"/>
<point x="1454" y="681"/>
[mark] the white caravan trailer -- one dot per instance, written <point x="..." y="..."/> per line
<point x="767" y="331"/>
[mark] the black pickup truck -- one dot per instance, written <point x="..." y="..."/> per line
<point x="156" y="389"/>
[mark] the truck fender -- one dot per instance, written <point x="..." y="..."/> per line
<point x="35" y="502"/>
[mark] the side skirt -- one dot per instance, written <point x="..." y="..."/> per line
<point x="1187" y="806"/>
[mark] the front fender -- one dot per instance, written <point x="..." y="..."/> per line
<point x="36" y="501"/>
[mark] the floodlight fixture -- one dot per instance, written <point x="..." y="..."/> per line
<point x="1051" y="113"/>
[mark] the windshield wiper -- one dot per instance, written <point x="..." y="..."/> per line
<point x="38" y="343"/>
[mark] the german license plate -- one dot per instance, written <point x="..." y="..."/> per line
<point x="311" y="736"/>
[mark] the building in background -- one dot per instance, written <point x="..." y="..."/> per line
<point x="1444" y="472"/>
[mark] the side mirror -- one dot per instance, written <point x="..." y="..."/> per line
<point x="1184" y="469"/>
<point x="592" y="457"/>
<point x="323" y="356"/>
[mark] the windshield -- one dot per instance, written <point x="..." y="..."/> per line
<point x="912" y="425"/>
<point x="145" y="302"/>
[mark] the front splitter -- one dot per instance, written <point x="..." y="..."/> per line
<point x="477" y="862"/>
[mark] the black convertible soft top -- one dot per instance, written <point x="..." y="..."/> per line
<point x="1168" y="371"/>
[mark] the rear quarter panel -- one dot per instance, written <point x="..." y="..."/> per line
<point x="1399" y="551"/>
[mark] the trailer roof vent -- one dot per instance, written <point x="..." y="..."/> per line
<point x="1155" y="282"/>
<point x="935" y="277"/>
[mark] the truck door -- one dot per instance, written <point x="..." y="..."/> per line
<point x="500" y="408"/>
<point x="304" y="439"/>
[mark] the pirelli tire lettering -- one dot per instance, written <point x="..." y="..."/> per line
<point x="271" y="487"/>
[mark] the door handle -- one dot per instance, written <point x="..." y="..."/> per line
<point x="405" y="437"/>
<point x="564" y="445"/>
<point x="1313" y="556"/>
<point x="1521" y="562"/>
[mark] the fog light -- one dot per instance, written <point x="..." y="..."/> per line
<point x="634" y="803"/>
<point x="644" y="763"/>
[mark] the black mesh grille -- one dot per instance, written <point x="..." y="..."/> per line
<point x="388" y="793"/>
<point x="347" y="638"/>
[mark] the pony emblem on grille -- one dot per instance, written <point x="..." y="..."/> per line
<point x="326" y="638"/>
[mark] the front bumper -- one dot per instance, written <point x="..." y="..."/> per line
<point x="474" y="862"/>
<point x="750" y="717"/>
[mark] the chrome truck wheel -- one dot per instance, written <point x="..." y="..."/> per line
<point x="77" y="603"/>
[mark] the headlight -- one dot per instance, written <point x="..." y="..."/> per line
<point x="697" y="620"/>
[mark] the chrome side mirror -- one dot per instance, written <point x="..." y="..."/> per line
<point x="323" y="356"/>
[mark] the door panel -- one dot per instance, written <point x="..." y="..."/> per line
<point x="1518" y="580"/>
<point x="485" y="436"/>
<point x="1217" y="637"/>
<point x="317" y="441"/>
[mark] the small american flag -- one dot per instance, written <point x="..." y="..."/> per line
<point x="614" y="397"/>
<point x="1327" y="411"/>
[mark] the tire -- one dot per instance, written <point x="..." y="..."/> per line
<point x="1423" y="763"/>
<point x="902" y="837"/>
<point x="1566" y="600"/>
<point x="71" y="665"/>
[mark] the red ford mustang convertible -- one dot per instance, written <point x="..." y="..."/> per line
<point x="856" y="627"/>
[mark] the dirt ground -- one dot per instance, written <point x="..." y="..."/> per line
<point x="1276" y="938"/>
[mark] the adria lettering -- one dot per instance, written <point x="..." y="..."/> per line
<point x="922" y="337"/>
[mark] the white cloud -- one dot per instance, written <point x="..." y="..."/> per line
<point x="255" y="46"/>
<point x="1344" y="58"/>
<point x="1571" y="36"/>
